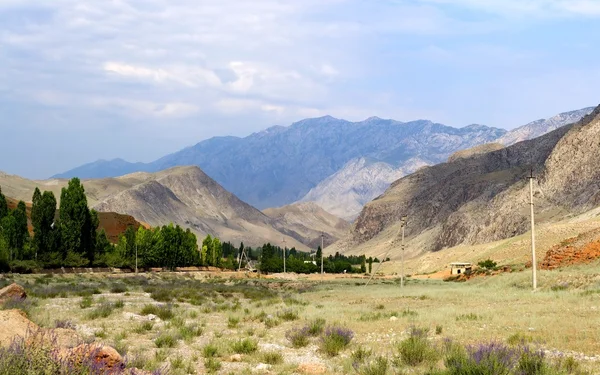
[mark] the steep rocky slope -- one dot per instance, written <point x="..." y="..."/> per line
<point x="484" y="197"/>
<point x="307" y="221"/>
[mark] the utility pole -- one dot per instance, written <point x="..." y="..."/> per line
<point x="284" y="255"/>
<point x="322" y="257"/>
<point x="402" y="225"/>
<point x="533" y="261"/>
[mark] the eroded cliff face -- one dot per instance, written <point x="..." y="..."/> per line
<point x="485" y="197"/>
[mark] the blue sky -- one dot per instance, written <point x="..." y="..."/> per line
<point x="84" y="80"/>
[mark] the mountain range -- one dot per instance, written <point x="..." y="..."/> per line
<point x="482" y="196"/>
<point x="188" y="197"/>
<point x="338" y="164"/>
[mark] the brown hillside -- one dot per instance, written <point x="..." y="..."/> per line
<point x="584" y="248"/>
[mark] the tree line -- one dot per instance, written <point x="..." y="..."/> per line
<point x="70" y="237"/>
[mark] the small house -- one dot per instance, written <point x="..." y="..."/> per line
<point x="459" y="268"/>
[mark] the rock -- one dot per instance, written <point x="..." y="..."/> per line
<point x="13" y="325"/>
<point x="66" y="338"/>
<point x="312" y="368"/>
<point x="104" y="356"/>
<point x="13" y="291"/>
<point x="235" y="358"/>
<point x="393" y="319"/>
<point x="262" y="367"/>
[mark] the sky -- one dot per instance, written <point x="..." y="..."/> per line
<point x="101" y="79"/>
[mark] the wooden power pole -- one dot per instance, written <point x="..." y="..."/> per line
<point x="284" y="255"/>
<point x="321" y="257"/>
<point x="533" y="260"/>
<point x="402" y="225"/>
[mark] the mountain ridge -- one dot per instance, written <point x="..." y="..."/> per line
<point x="484" y="197"/>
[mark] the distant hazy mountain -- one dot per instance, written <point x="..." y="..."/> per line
<point x="358" y="182"/>
<point x="346" y="192"/>
<point x="281" y="165"/>
<point x="540" y="127"/>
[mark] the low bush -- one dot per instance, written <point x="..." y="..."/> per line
<point x="144" y="327"/>
<point x="315" y="327"/>
<point x="244" y="346"/>
<point x="272" y="358"/>
<point x="104" y="310"/>
<point x="416" y="349"/>
<point x="298" y="337"/>
<point x="335" y="339"/>
<point x="288" y="315"/>
<point x="86" y="302"/>
<point x="210" y="350"/>
<point x="212" y="365"/>
<point x="360" y="355"/>
<point x="165" y="340"/>
<point x="233" y="322"/>
<point x="165" y="312"/>
<point x="379" y="366"/>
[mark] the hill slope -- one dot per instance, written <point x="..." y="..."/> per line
<point x="307" y="221"/>
<point x="280" y="165"/>
<point x="484" y="197"/>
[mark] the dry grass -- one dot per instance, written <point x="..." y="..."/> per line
<point x="203" y="338"/>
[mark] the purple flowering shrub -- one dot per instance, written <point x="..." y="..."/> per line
<point x="335" y="339"/>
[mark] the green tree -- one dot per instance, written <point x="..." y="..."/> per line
<point x="207" y="244"/>
<point x="103" y="245"/>
<point x="370" y="264"/>
<point x="22" y="233"/>
<point x="3" y="205"/>
<point x="10" y="233"/>
<point x="45" y="234"/>
<point x="74" y="215"/>
<point x="216" y="253"/>
<point x="319" y="255"/>
<point x="363" y="265"/>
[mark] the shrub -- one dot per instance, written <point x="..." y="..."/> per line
<point x="288" y="315"/>
<point x="298" y="337"/>
<point x="118" y="288"/>
<point x="165" y="340"/>
<point x="377" y="367"/>
<point x="86" y="302"/>
<point x="119" y="304"/>
<point x="360" y="355"/>
<point x="162" y="311"/>
<point x="485" y="359"/>
<point x="212" y="365"/>
<point x="487" y="264"/>
<point x="103" y="310"/>
<point x="244" y="346"/>
<point x="188" y="332"/>
<point x="315" y="327"/>
<point x="144" y="327"/>
<point x="210" y="350"/>
<point x="233" y="322"/>
<point x="416" y="349"/>
<point x="469" y="316"/>
<point x="519" y="339"/>
<point x="438" y="329"/>
<point x="335" y="339"/>
<point x="272" y="358"/>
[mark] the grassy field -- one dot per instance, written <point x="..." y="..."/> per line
<point x="193" y="324"/>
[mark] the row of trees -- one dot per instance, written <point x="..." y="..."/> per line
<point x="68" y="238"/>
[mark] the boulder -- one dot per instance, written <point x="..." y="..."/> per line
<point x="14" y="325"/>
<point x="13" y="291"/>
<point x="103" y="356"/>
